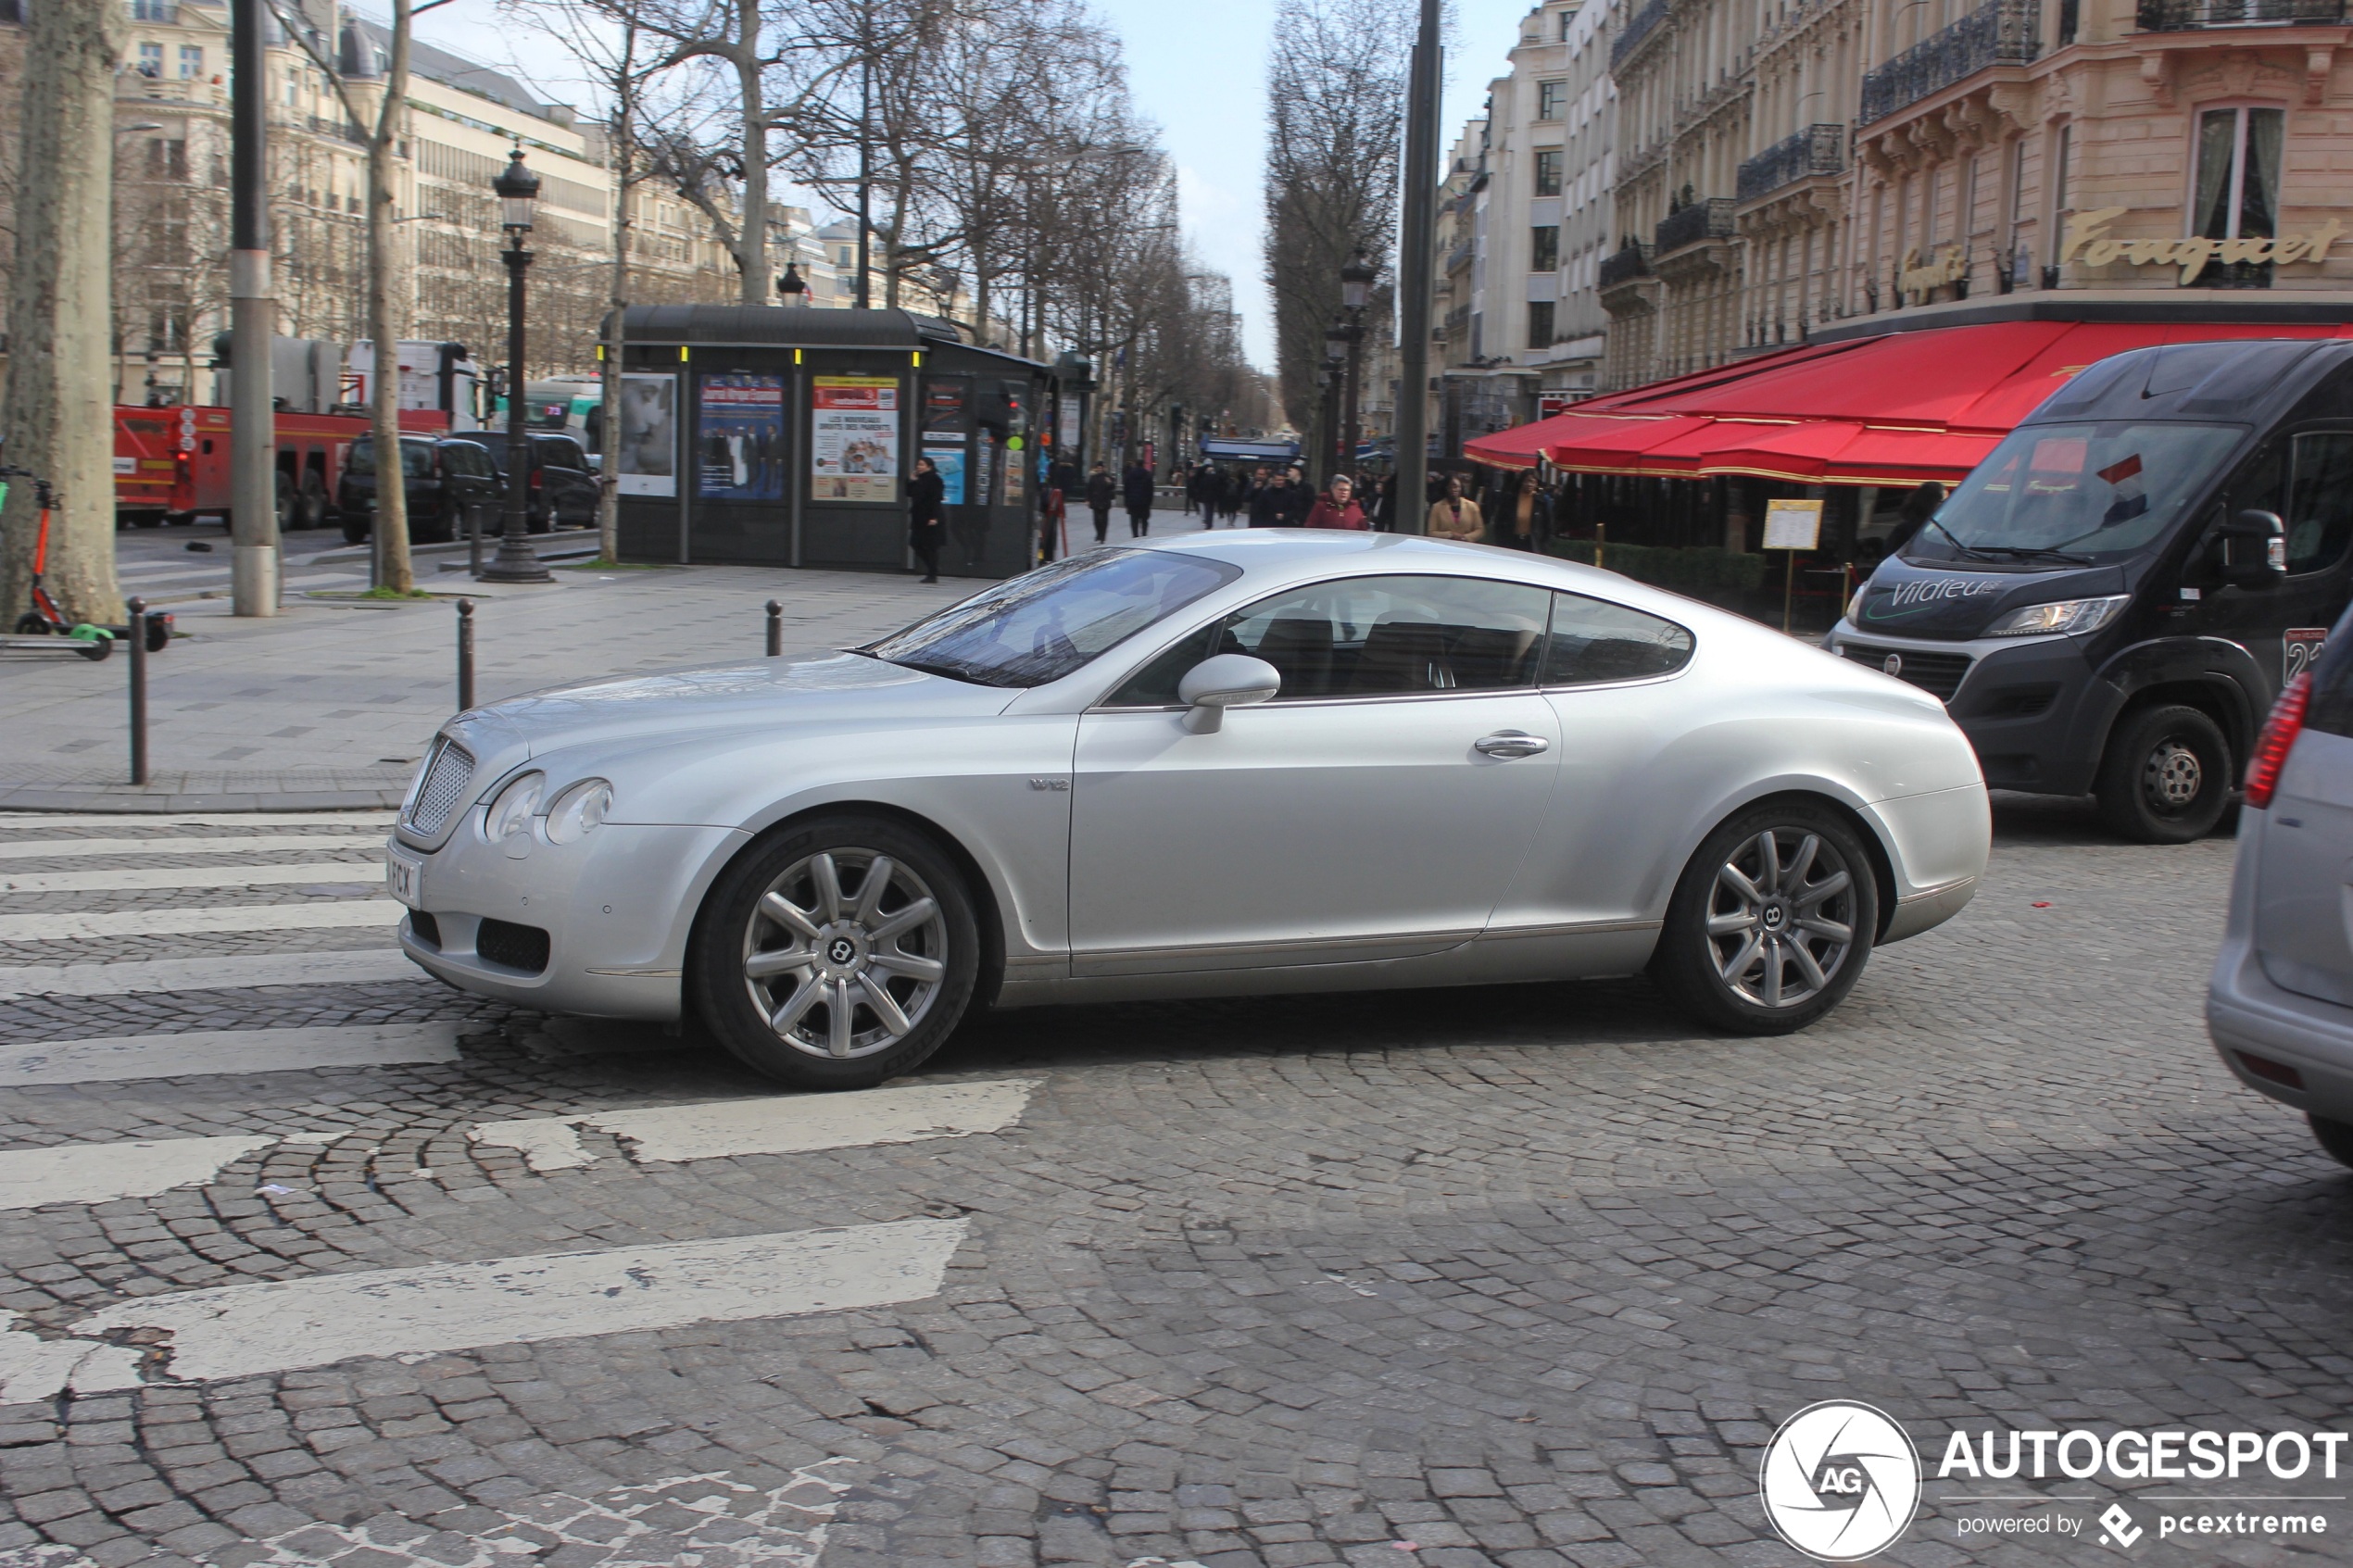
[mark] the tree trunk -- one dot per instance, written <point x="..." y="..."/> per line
<point x="60" y="419"/>
<point x="393" y="570"/>
<point x="751" y="240"/>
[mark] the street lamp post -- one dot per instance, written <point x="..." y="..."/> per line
<point x="1335" y="360"/>
<point x="518" y="188"/>
<point x="1356" y="293"/>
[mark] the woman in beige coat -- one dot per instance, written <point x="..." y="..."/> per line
<point x="1457" y="517"/>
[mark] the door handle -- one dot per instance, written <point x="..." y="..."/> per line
<point x="1512" y="743"/>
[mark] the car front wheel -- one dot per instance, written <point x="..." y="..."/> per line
<point x="836" y="955"/>
<point x="1771" y="923"/>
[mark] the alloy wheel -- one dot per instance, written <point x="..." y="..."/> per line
<point x="845" y="953"/>
<point x="1780" y="917"/>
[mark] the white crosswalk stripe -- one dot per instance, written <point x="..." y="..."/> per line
<point x="226" y="972"/>
<point x="118" y="1059"/>
<point x="344" y="914"/>
<point x="11" y="822"/>
<point x="138" y="879"/>
<point x="70" y="849"/>
<point x="100" y="1172"/>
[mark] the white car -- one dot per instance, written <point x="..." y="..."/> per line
<point x="1233" y="763"/>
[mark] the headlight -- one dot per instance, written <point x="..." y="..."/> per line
<point x="1855" y="606"/>
<point x="2067" y="615"/>
<point x="577" y="809"/>
<point x="511" y="813"/>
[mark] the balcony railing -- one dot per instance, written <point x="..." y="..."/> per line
<point x="2184" y="16"/>
<point x="2008" y="33"/>
<point x="1818" y="149"/>
<point x="1634" y="261"/>
<point x="1643" y="23"/>
<point x="1458" y="258"/>
<point x="1709" y="219"/>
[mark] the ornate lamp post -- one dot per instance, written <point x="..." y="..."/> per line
<point x="792" y="286"/>
<point x="1335" y="375"/>
<point x="1356" y="282"/>
<point x="518" y="188"/>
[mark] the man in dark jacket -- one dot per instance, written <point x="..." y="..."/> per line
<point x="1101" y="490"/>
<point x="1298" y="499"/>
<point x="1135" y="489"/>
<point x="1270" y="502"/>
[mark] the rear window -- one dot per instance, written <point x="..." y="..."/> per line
<point x="416" y="458"/>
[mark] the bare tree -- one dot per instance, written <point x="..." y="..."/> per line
<point x="1335" y="114"/>
<point x="59" y="420"/>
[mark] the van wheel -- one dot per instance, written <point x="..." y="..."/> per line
<point x="2166" y="777"/>
<point x="2336" y="1137"/>
<point x="310" y="508"/>
<point x="837" y="953"/>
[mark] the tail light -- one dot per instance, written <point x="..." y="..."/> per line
<point x="2277" y="739"/>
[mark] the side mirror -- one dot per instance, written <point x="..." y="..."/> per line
<point x="1230" y="680"/>
<point x="2250" y="551"/>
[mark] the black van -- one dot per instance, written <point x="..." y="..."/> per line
<point x="2112" y="600"/>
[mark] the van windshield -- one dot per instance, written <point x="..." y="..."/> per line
<point x="2075" y="494"/>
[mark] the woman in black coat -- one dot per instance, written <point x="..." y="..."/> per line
<point x="927" y="516"/>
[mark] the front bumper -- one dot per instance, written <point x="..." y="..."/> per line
<point x="2029" y="706"/>
<point x="617" y="907"/>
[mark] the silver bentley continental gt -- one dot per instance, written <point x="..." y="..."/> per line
<point x="1228" y="763"/>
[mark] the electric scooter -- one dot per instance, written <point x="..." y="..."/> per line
<point x="45" y="618"/>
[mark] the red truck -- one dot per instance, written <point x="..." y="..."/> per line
<point x="171" y="465"/>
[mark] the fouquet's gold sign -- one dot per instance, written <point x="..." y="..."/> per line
<point x="2087" y="241"/>
<point x="1917" y="277"/>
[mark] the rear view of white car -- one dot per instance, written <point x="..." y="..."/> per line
<point x="2279" y="1007"/>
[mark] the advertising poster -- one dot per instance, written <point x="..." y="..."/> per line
<point x="1067" y="437"/>
<point x="739" y="444"/>
<point x="853" y="438"/>
<point x="950" y="461"/>
<point x="647" y="463"/>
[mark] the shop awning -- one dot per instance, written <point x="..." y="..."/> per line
<point x="1894" y="409"/>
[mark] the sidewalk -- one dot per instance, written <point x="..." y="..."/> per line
<point x="330" y="703"/>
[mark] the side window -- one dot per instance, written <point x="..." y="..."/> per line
<point x="2319" y="512"/>
<point x="1370" y="636"/>
<point x="1593" y="640"/>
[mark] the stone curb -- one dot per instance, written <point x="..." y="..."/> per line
<point x="128" y="801"/>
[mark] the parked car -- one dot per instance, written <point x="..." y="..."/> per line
<point x="2280" y="1005"/>
<point x="563" y="480"/>
<point x="440" y="477"/>
<point x="2113" y="600"/>
<point x="1465" y="765"/>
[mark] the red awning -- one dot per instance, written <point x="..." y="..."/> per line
<point x="1894" y="409"/>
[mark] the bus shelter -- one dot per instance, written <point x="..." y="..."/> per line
<point x="779" y="436"/>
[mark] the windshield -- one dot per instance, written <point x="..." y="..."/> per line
<point x="1039" y="627"/>
<point x="416" y="458"/>
<point x="2075" y="494"/>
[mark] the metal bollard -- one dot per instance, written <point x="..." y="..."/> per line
<point x="465" y="654"/>
<point x="138" y="608"/>
<point x="775" y="629"/>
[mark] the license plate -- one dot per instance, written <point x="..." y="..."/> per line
<point x="404" y="878"/>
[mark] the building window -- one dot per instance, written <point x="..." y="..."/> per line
<point x="151" y="60"/>
<point x="1544" y="248"/>
<point x="1548" y="172"/>
<point x="151" y="11"/>
<point x="2238" y="188"/>
<point x="1551" y="98"/>
<point x="2062" y="154"/>
<point x="1540" y="323"/>
<point x="167" y="158"/>
<point x="191" y="62"/>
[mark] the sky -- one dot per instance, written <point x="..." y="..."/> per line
<point x="1198" y="68"/>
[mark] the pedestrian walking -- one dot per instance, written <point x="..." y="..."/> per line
<point x="1050" y="524"/>
<point x="1385" y="504"/>
<point x="928" y="516"/>
<point x="1233" y="495"/>
<point x="1456" y="515"/>
<point x="1100" y="492"/>
<point x="1338" y="510"/>
<point x="1530" y="522"/>
<point x="1270" y="501"/>
<point x="1136" y="490"/>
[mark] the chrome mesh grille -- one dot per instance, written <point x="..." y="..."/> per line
<point x="447" y="771"/>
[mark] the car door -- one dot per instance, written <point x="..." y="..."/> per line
<point x="1375" y="809"/>
<point x="2306" y="476"/>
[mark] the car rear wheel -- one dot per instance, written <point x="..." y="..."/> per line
<point x="1771" y="923"/>
<point x="836" y="955"/>
<point x="2166" y="777"/>
<point x="2336" y="1137"/>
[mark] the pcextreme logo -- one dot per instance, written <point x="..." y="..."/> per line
<point x="1840" y="1482"/>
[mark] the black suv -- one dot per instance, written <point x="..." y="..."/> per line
<point x="563" y="486"/>
<point x="441" y="478"/>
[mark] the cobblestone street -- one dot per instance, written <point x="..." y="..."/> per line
<point x="1523" y="1276"/>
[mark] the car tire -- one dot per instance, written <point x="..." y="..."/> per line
<point x="2165" y="776"/>
<point x="354" y="526"/>
<point x="776" y="952"/>
<point x="2336" y="1138"/>
<point x="1751" y="946"/>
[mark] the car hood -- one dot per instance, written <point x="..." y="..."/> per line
<point x="1905" y="600"/>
